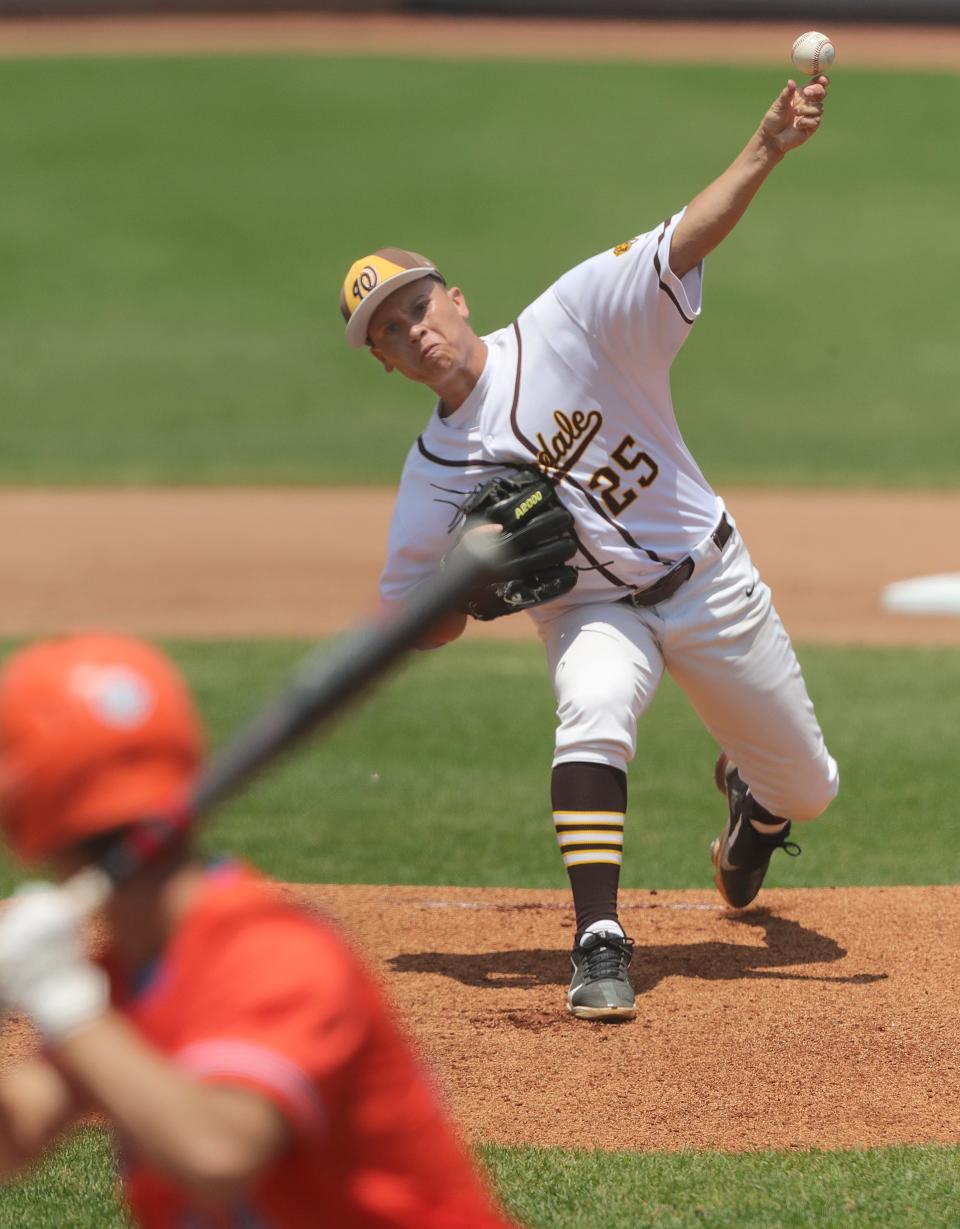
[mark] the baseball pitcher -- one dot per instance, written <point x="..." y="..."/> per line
<point x="568" y="412"/>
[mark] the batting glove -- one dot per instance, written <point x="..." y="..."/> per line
<point x="44" y="970"/>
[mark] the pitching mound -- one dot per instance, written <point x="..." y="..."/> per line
<point x="825" y="1019"/>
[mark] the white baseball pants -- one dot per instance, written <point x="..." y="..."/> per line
<point x="723" y="642"/>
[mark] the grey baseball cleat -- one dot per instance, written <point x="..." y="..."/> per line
<point x="600" y="988"/>
<point x="740" y="853"/>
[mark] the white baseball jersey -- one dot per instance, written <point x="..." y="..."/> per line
<point x="580" y="386"/>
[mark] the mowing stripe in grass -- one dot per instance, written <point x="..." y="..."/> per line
<point x="168" y="304"/>
<point x="441" y="776"/>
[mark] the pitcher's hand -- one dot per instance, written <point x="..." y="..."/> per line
<point x="795" y="115"/>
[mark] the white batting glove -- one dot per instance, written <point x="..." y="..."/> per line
<point x="44" y="970"/>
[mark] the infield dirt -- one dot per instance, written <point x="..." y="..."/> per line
<point x="859" y="45"/>
<point x="821" y="1020"/>
<point x="215" y="563"/>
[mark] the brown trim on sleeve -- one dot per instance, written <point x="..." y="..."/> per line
<point x="462" y="463"/>
<point x="659" y="271"/>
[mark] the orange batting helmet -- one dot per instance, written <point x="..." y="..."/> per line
<point x="96" y="731"/>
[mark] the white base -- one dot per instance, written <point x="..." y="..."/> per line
<point x="934" y="595"/>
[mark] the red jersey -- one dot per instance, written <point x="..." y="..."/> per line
<point x="255" y="992"/>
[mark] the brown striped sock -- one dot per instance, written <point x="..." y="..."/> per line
<point x="589" y="804"/>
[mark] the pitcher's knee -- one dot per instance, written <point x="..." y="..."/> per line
<point x="597" y="751"/>
<point x="596" y="729"/>
<point x="810" y="795"/>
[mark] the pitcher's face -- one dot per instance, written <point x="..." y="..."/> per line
<point x="421" y="330"/>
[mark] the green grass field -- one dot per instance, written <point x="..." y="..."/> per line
<point x="910" y="1188"/>
<point x="357" y="807"/>
<point x="174" y="233"/>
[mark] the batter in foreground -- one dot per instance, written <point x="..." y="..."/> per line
<point x="579" y="388"/>
<point x="248" y="1064"/>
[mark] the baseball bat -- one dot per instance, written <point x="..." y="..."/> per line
<point x="324" y="683"/>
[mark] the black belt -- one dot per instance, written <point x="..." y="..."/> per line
<point x="679" y="574"/>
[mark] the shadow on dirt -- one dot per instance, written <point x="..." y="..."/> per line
<point x="788" y="946"/>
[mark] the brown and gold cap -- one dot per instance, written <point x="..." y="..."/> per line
<point x="369" y="281"/>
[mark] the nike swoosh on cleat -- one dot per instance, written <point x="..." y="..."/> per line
<point x="734" y="833"/>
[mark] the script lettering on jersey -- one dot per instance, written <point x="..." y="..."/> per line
<point x="574" y="433"/>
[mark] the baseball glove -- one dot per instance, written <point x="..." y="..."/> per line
<point x="537" y="531"/>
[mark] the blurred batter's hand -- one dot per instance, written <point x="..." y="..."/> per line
<point x="44" y="970"/>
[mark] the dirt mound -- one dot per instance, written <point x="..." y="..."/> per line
<point x="819" y="1020"/>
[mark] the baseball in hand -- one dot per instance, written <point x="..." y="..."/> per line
<point x="813" y="53"/>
